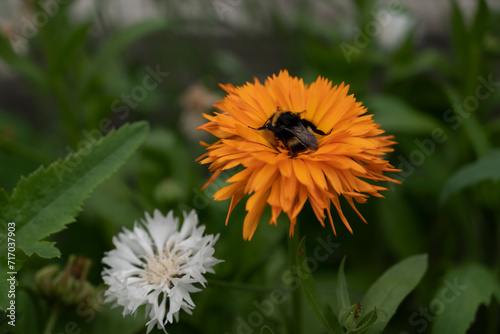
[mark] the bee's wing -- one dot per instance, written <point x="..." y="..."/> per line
<point x="305" y="136"/>
<point x="313" y="128"/>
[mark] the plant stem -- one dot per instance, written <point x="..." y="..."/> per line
<point x="54" y="315"/>
<point x="293" y="244"/>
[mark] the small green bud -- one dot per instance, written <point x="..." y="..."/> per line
<point x="43" y="280"/>
<point x="348" y="316"/>
<point x="69" y="286"/>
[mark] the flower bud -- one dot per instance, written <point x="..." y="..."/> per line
<point x="43" y="280"/>
<point x="348" y="316"/>
<point x="69" y="286"/>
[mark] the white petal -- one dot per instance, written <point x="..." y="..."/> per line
<point x="155" y="264"/>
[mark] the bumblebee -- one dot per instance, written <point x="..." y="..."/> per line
<point x="296" y="134"/>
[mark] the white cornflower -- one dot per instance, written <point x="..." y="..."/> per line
<point x="157" y="265"/>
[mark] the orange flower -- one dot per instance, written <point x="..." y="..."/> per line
<point x="349" y="151"/>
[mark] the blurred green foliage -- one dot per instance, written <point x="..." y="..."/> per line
<point x="74" y="80"/>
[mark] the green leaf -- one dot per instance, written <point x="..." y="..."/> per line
<point x="342" y="293"/>
<point x="481" y="170"/>
<point x="50" y="198"/>
<point x="396" y="116"/>
<point x="464" y="289"/>
<point x="318" y="305"/>
<point x="392" y="287"/>
<point x="116" y="44"/>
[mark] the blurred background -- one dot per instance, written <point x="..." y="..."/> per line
<point x="71" y="70"/>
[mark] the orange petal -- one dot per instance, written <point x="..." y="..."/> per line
<point x="302" y="172"/>
<point x="336" y="202"/>
<point x="238" y="195"/>
<point x="255" y="207"/>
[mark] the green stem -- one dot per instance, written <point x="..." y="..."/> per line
<point x="293" y="244"/>
<point x="54" y="315"/>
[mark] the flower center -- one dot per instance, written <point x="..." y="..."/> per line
<point x="163" y="267"/>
